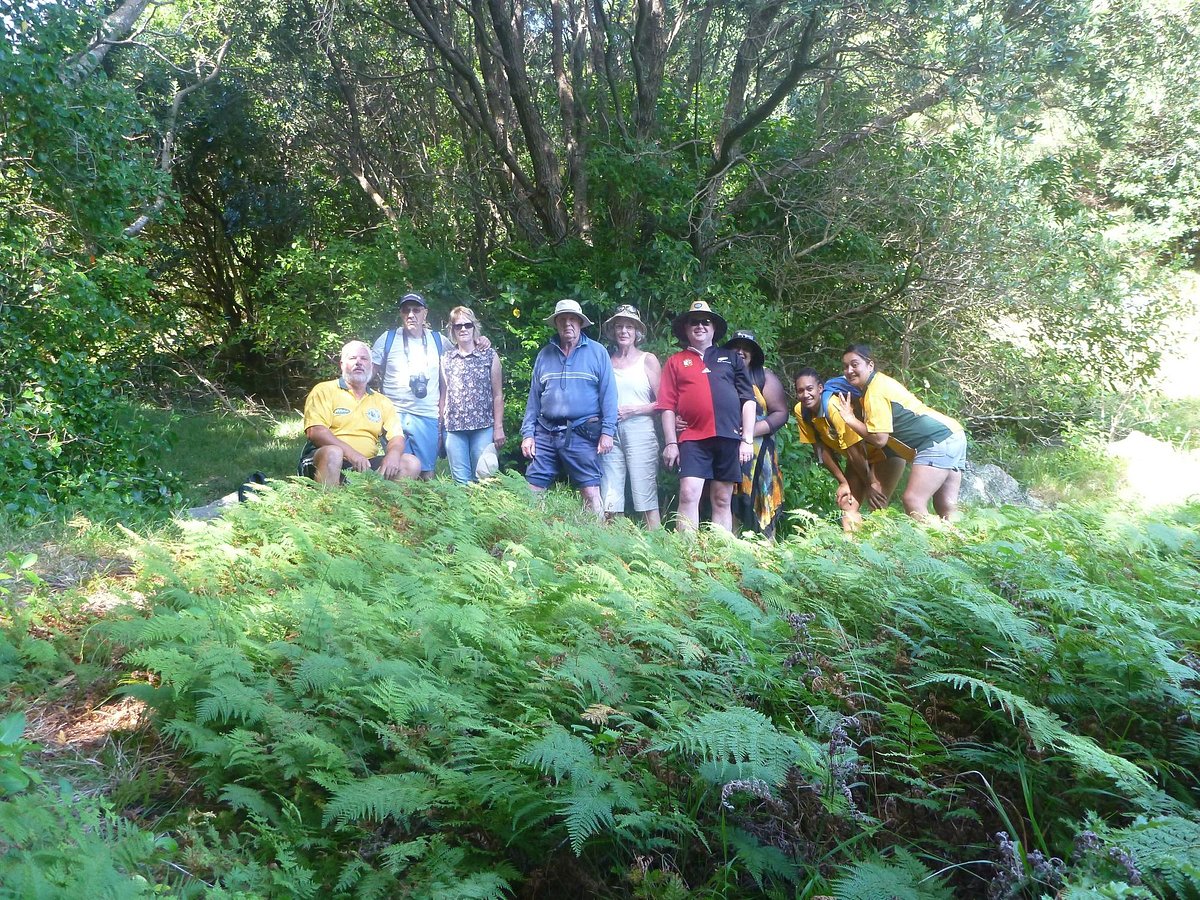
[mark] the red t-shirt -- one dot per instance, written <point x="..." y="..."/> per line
<point x="707" y="391"/>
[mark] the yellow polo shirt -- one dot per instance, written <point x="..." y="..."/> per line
<point x="832" y="431"/>
<point x="829" y="429"/>
<point x="889" y="407"/>
<point x="361" y="423"/>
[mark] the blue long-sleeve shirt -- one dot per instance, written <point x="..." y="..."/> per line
<point x="568" y="390"/>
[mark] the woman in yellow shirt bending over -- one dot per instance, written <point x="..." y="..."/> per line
<point x="892" y="416"/>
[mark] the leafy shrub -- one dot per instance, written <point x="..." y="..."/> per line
<point x="55" y="842"/>
<point x="504" y="692"/>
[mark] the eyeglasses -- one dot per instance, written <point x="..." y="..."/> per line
<point x="705" y="322"/>
<point x="465" y="326"/>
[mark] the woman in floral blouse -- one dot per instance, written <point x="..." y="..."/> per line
<point x="474" y="408"/>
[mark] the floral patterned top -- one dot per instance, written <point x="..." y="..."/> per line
<point x="469" y="389"/>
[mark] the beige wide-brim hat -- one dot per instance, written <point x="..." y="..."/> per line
<point x="568" y="306"/>
<point x="679" y="325"/>
<point x="625" y="311"/>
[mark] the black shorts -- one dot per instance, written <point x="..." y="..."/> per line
<point x="307" y="467"/>
<point x="713" y="459"/>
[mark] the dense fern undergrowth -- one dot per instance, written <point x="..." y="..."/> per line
<point x="422" y="690"/>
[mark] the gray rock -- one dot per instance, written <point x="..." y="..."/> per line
<point x="989" y="485"/>
<point x="214" y="509"/>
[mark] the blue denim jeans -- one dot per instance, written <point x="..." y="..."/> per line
<point x="463" y="449"/>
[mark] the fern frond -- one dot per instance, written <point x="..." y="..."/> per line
<point x="1046" y="730"/>
<point x="380" y="796"/>
<point x="902" y="878"/>
<point x="587" y="813"/>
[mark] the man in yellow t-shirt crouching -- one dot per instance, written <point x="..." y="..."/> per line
<point x="345" y="421"/>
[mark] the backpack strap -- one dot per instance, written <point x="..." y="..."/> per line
<point x="437" y="342"/>
<point x="387" y="349"/>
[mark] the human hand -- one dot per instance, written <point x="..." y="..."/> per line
<point x="845" y="497"/>
<point x="390" y="467"/>
<point x="498" y="437"/>
<point x="358" y="462"/>
<point x="528" y="448"/>
<point x="481" y="342"/>
<point x="605" y="445"/>
<point x="680" y="425"/>
<point x="745" y="451"/>
<point x="876" y="497"/>
<point x="846" y="407"/>
<point x="670" y="455"/>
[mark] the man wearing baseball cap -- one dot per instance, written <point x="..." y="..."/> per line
<point x="571" y="414"/>
<point x="709" y="388"/>
<point x="409" y="362"/>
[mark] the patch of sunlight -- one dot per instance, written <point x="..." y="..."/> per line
<point x="289" y="429"/>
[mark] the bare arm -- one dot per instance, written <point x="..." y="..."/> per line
<point x="746" y="447"/>
<point x="670" y="454"/>
<point x="855" y="424"/>
<point x="497" y="402"/>
<point x="777" y="411"/>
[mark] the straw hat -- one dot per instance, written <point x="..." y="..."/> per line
<point x="563" y="307"/>
<point x="624" y="311"/>
<point x="698" y="307"/>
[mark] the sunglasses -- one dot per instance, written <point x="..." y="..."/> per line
<point x="466" y="326"/>
<point x="704" y="322"/>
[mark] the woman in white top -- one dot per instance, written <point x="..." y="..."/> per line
<point x="634" y="456"/>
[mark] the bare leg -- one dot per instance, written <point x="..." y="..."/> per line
<point x="923" y="483"/>
<point x="690" y="491"/>
<point x="592" y="501"/>
<point x="720" y="493"/>
<point x="888" y="472"/>
<point x="945" y="499"/>
<point x="327" y="462"/>
<point x="653" y="519"/>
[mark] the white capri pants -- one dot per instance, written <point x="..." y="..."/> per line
<point x="634" y="456"/>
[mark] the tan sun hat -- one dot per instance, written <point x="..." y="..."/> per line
<point x="720" y="326"/>
<point x="562" y="307"/>
<point x="624" y="311"/>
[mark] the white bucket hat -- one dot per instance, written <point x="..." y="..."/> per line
<point x="568" y="306"/>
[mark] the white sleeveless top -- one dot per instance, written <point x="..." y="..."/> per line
<point x="633" y="387"/>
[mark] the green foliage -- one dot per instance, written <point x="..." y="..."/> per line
<point x="467" y="702"/>
<point x="71" y="167"/>
<point x="902" y="878"/>
<point x="55" y="842"/>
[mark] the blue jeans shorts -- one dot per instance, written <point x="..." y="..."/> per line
<point x="948" y="453"/>
<point x="421" y="439"/>
<point x="564" y="451"/>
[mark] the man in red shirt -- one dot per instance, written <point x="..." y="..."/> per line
<point x="709" y="389"/>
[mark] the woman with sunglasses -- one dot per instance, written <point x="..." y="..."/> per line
<point x="474" y="410"/>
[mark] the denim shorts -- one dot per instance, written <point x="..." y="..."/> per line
<point x="565" y="451"/>
<point x="421" y="439"/>
<point x="948" y="453"/>
<point x="713" y="459"/>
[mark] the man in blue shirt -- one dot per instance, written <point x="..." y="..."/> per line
<point x="571" y="414"/>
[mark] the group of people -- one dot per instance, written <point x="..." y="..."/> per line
<point x="590" y="417"/>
